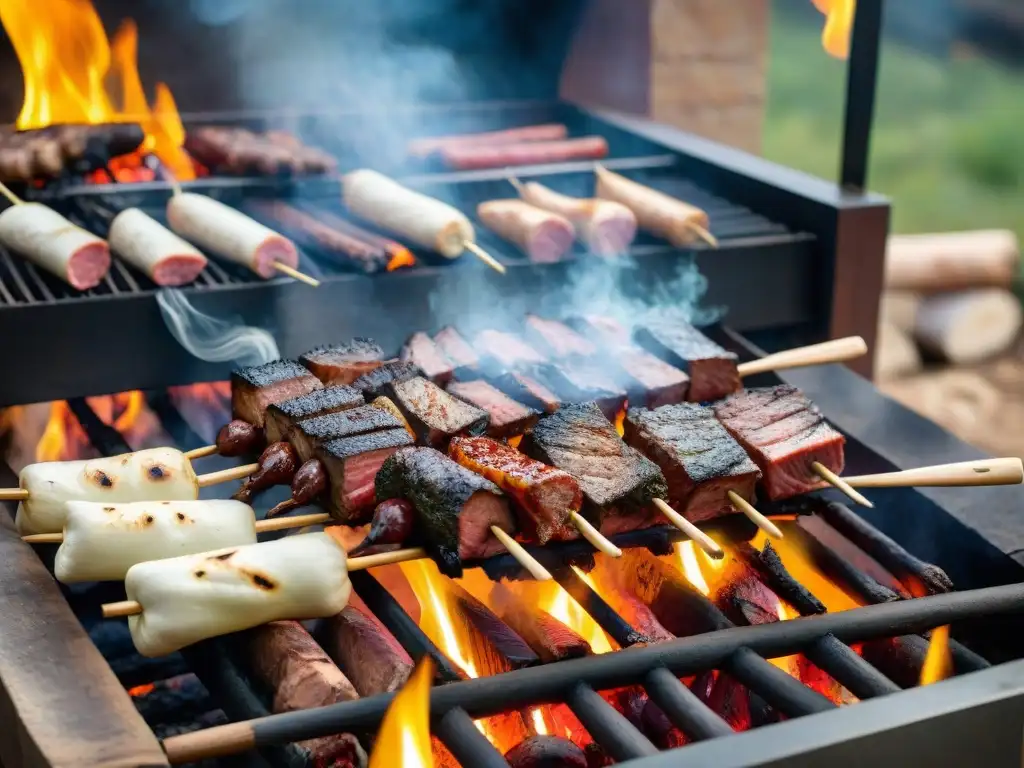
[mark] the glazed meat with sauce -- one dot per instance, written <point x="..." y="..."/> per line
<point x="352" y="464"/>
<point x="712" y="370"/>
<point x="281" y="417"/>
<point x="508" y="417"/>
<point x="254" y="389"/>
<point x="424" y="353"/>
<point x="306" y="436"/>
<point x="343" y="363"/>
<point x="434" y="415"/>
<point x="455" y="508"/>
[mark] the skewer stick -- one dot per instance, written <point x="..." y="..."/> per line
<point x="175" y="186"/>
<point x="840" y="484"/>
<point x="517" y="184"/>
<point x="301" y="276"/>
<point x="199" y="453"/>
<point x="226" y="475"/>
<point x="835" y="351"/>
<point x="524" y="558"/>
<point x="6" y="192"/>
<point x="701" y="539"/>
<point x="1008" y="471"/>
<point x="13" y="494"/>
<point x="703" y="234"/>
<point x="754" y="516"/>
<point x="594" y="536"/>
<point x="484" y="256"/>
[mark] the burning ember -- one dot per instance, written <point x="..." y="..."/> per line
<point x="73" y="74"/>
<point x="938" y="664"/>
<point x="835" y="38"/>
<point x="404" y="736"/>
<point x="402" y="258"/>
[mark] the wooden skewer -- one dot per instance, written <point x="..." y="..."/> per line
<point x="594" y="536"/>
<point x="754" y="516"/>
<point x="301" y="276"/>
<point x="6" y="192"/>
<point x="484" y="256"/>
<point x="701" y="539"/>
<point x="703" y="234"/>
<point x="840" y="484"/>
<point x="226" y="475"/>
<point x="13" y="494"/>
<point x="835" y="351"/>
<point x="517" y="184"/>
<point x="1007" y="471"/>
<point x="524" y="558"/>
<point x="199" y="453"/>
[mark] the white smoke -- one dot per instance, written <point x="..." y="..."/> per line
<point x="212" y="339"/>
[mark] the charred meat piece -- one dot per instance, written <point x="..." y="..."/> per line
<point x="455" y="508"/>
<point x="532" y="391"/>
<point x="310" y="434"/>
<point x="239" y="151"/>
<point x="375" y="383"/>
<point x="700" y="460"/>
<point x="549" y="638"/>
<point x="506" y="351"/>
<point x="712" y="370"/>
<point x="558" y="339"/>
<point x="77" y="149"/>
<point x="581" y="381"/>
<point x="508" y="418"/>
<point x="366" y="652"/>
<point x="434" y="415"/>
<point x="456" y="348"/>
<point x="607" y="329"/>
<point x="784" y="433"/>
<point x="421" y="351"/>
<point x="352" y="464"/>
<point x="343" y="363"/>
<point x="385" y="404"/>
<point x="281" y="417"/>
<point x="544" y="496"/>
<point x="254" y="389"/>
<point x="618" y="482"/>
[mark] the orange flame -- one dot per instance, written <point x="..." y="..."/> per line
<point x="839" y="14"/>
<point x="938" y="664"/>
<point x="404" y="736"/>
<point x="401" y="258"/>
<point x="141" y="690"/>
<point x="620" y="419"/>
<point x="65" y="60"/>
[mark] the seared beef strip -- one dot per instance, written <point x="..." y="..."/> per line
<point x="508" y="417"/>
<point x="506" y="351"/>
<point x="434" y="415"/>
<point x="282" y="416"/>
<point x="372" y="658"/>
<point x="456" y="348"/>
<point x="784" y="433"/>
<point x="375" y="383"/>
<point x="713" y="370"/>
<point x="455" y="508"/>
<point x="343" y="363"/>
<point x="256" y="387"/>
<point x="309" y="434"/>
<point x="618" y="482"/>
<point x="699" y="458"/>
<point x="582" y="381"/>
<point x="421" y="351"/>
<point x="352" y="464"/>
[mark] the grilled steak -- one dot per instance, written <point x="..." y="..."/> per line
<point x="255" y="388"/>
<point x="421" y="351"/>
<point x="699" y="458"/>
<point x="545" y="497"/>
<point x="456" y="348"/>
<point x="366" y="652"/>
<point x="435" y="416"/>
<point x="618" y="482"/>
<point x="547" y="636"/>
<point x="530" y="391"/>
<point x="712" y="370"/>
<point x="375" y="383"/>
<point x="557" y="339"/>
<point x="508" y="418"/>
<point x="579" y="381"/>
<point x="385" y="404"/>
<point x="343" y="363"/>
<point x="455" y="508"/>
<point x="784" y="433"/>
<point x="506" y="351"/>
<point x="607" y="329"/>
<point x="352" y="464"/>
<point x="282" y="416"/>
<point x="307" y="435"/>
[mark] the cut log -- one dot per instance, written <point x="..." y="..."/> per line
<point x="896" y="354"/>
<point x="899" y="308"/>
<point x="970" y="326"/>
<point x="950" y="261"/>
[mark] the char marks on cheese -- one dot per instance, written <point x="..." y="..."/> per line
<point x="507" y="416"/>
<point x="343" y="363"/>
<point x="435" y="416"/>
<point x="712" y="370"/>
<point x="282" y="416"/>
<point x="352" y="464"/>
<point x="255" y="388"/>
<point x="309" y="434"/>
<point x="426" y="354"/>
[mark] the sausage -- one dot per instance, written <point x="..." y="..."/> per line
<point x="658" y="213"/>
<point x="413" y="216"/>
<point x="469" y="157"/>
<point x="102" y="541"/>
<point x="239" y="438"/>
<point x="230" y="234"/>
<point x="155" y="474"/>
<point x="543" y="236"/>
<point x="392" y="524"/>
<point x="277" y="465"/>
<point x="549" y="132"/>
<point x="50" y="241"/>
<point x="606" y="227"/>
<point x="310" y="481"/>
<point x="153" y="249"/>
<point x="194" y="597"/>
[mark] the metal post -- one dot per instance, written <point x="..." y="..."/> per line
<point x="861" y="82"/>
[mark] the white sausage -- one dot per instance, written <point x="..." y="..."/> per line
<point x="153" y="249"/>
<point x="606" y="227"/>
<point x="156" y="474"/>
<point x="191" y="598"/>
<point x="415" y="217"/>
<point x="230" y="234"/>
<point x="102" y="541"/>
<point x="658" y="213"/>
<point x="543" y="236"/>
<point x="50" y="241"/>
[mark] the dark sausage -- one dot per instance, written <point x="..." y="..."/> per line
<point x="238" y="438"/>
<point x="277" y="465"/>
<point x="309" y="482"/>
<point x="391" y="524"/>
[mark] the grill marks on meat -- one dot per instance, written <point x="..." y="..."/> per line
<point x="352" y="464"/>
<point x="618" y="482"/>
<point x="343" y="363"/>
<point x="282" y="416"/>
<point x="375" y="383"/>
<point x="508" y="417"/>
<point x="367" y="653"/>
<point x="699" y="458"/>
<point x="544" y="496"/>
<point x="455" y="507"/>
<point x="254" y="389"/>
<point x="307" y="435"/>
<point x="456" y="348"/>
<point x="784" y="433"/>
<point x="423" y="352"/>
<point x="434" y="415"/>
<point x="713" y="370"/>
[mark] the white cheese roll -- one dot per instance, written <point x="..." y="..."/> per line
<point x="195" y="597"/>
<point x="102" y="541"/>
<point x="156" y="474"/>
<point x="153" y="249"/>
<point x="50" y="241"/>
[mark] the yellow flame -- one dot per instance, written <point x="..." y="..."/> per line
<point x="436" y="620"/>
<point x="554" y="600"/>
<point x="404" y="736"/>
<point x="839" y="14"/>
<point x="540" y="727"/>
<point x="687" y="552"/>
<point x="938" y="665"/>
